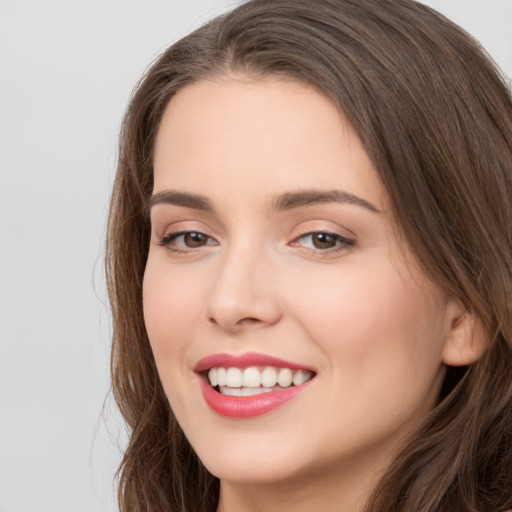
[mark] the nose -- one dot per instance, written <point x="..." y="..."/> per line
<point x="244" y="294"/>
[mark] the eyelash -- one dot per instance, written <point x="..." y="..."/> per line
<point x="167" y="241"/>
<point x="341" y="243"/>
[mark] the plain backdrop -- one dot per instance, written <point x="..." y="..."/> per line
<point x="66" y="72"/>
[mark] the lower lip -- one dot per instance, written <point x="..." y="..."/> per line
<point x="248" y="406"/>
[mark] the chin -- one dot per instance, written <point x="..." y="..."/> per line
<point x="250" y="458"/>
<point x="246" y="470"/>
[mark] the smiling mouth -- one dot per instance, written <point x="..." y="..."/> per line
<point x="254" y="380"/>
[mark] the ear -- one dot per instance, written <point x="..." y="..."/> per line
<point x="467" y="339"/>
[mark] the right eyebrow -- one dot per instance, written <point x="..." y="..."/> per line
<point x="184" y="199"/>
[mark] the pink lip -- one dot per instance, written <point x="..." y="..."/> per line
<point x="245" y="360"/>
<point x="246" y="406"/>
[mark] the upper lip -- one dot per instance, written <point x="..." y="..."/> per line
<point x="245" y="360"/>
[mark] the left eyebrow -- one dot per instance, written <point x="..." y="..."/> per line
<point x="291" y="200"/>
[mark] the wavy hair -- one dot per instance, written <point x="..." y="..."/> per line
<point x="435" y="116"/>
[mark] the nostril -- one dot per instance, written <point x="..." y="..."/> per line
<point x="248" y="321"/>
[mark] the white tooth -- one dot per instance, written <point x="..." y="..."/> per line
<point x="212" y="376"/>
<point x="251" y="378"/>
<point x="298" y="377"/>
<point x="234" y="377"/>
<point x="285" y="377"/>
<point x="301" y="376"/>
<point x="221" y="376"/>
<point x="230" y="391"/>
<point x="268" y="377"/>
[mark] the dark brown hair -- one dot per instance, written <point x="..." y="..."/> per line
<point x="435" y="117"/>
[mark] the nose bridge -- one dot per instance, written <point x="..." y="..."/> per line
<point x="243" y="293"/>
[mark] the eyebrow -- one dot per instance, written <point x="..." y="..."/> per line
<point x="184" y="199"/>
<point x="291" y="200"/>
<point x="283" y="202"/>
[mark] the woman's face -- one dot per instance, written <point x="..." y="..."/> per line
<point x="273" y="248"/>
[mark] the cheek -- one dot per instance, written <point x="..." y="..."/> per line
<point x="381" y="341"/>
<point x="171" y="303"/>
<point x="375" y="327"/>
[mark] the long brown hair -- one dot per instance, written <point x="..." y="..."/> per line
<point x="435" y="117"/>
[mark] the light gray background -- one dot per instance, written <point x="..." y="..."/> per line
<point x="66" y="71"/>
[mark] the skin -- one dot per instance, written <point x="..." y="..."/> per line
<point x="361" y="313"/>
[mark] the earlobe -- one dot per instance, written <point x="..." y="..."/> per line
<point x="466" y="341"/>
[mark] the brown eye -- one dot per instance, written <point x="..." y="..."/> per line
<point x="324" y="240"/>
<point x="186" y="241"/>
<point x="194" y="239"/>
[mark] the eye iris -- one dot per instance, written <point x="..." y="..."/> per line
<point x="194" y="239"/>
<point x="323" y="240"/>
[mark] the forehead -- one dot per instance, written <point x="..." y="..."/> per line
<point x="267" y="132"/>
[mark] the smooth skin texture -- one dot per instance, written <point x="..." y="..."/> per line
<point x="327" y="284"/>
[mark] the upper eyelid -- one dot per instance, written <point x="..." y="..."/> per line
<point x="324" y="232"/>
<point x="336" y="229"/>
<point x="305" y="232"/>
<point x="182" y="226"/>
<point x="162" y="217"/>
<point x="215" y="225"/>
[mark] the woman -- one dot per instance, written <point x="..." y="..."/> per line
<point x="309" y="263"/>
